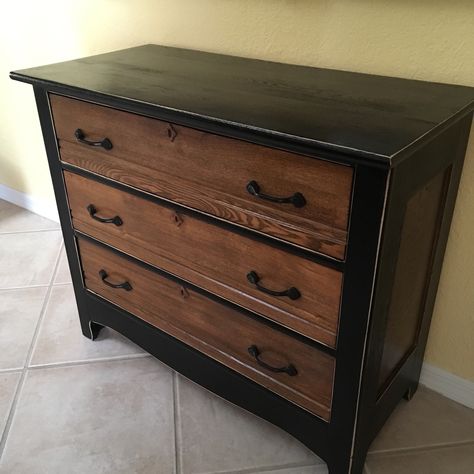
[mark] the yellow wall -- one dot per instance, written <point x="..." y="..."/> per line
<point x="423" y="39"/>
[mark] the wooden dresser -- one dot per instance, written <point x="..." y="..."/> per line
<point x="272" y="232"/>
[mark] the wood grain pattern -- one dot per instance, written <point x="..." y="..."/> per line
<point x="412" y="274"/>
<point x="371" y="116"/>
<point x="210" y="173"/>
<point x="215" y="329"/>
<point x="211" y="257"/>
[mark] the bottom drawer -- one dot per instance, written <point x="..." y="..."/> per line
<point x="295" y="370"/>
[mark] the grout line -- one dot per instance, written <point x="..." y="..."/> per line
<point x="34" y="340"/>
<point x="10" y="408"/>
<point x="430" y="447"/>
<point x="62" y="249"/>
<point x="9" y="371"/>
<point x="29" y="231"/>
<point x="177" y="425"/>
<point x="51" y="286"/>
<point x="16" y="396"/>
<point x="23" y="287"/>
<point x="56" y="365"/>
<point x="29" y="355"/>
<point x="279" y="467"/>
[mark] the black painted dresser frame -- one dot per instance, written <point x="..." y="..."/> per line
<point x="380" y="195"/>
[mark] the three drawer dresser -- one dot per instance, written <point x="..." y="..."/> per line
<point x="273" y="232"/>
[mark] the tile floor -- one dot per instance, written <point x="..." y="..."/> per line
<point x="69" y="405"/>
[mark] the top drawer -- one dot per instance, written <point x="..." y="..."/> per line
<point x="219" y="176"/>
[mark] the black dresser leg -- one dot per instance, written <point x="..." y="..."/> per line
<point x="341" y="467"/>
<point x="95" y="329"/>
<point x="358" y="462"/>
<point x="342" y="463"/>
<point x="411" y="391"/>
<point x="90" y="329"/>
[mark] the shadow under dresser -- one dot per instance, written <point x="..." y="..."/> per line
<point x="273" y="232"/>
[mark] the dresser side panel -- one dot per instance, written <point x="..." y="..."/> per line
<point x="419" y="237"/>
<point x="400" y="369"/>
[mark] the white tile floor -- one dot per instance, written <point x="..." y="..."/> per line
<point x="69" y="405"/>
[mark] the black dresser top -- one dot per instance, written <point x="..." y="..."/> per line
<point x="373" y="117"/>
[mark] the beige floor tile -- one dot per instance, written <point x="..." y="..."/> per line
<point x="28" y="259"/>
<point x="428" y="419"/>
<point x="218" y="436"/>
<point x="8" y="384"/>
<point x="448" y="460"/>
<point x="60" y="338"/>
<point x="17" y="219"/>
<point x="63" y="275"/>
<point x="19" y="314"/>
<point x="107" y="417"/>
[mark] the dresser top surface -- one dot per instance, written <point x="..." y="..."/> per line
<point x="373" y="117"/>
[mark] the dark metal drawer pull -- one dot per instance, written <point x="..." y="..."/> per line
<point x="124" y="286"/>
<point x="290" y="369"/>
<point x="106" y="220"/>
<point x="292" y="293"/>
<point x="81" y="137"/>
<point x="297" y="199"/>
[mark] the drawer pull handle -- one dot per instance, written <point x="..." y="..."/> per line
<point x="106" y="220"/>
<point x="105" y="143"/>
<point x="290" y="369"/>
<point x="292" y="293"/>
<point x="297" y="199"/>
<point x="124" y="286"/>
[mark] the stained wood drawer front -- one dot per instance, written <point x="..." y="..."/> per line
<point x="211" y="257"/>
<point x="212" y="173"/>
<point x="213" y="328"/>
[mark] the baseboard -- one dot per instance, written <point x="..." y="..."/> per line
<point x="451" y="386"/>
<point x="40" y="206"/>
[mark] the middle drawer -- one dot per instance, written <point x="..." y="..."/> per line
<point x="294" y="291"/>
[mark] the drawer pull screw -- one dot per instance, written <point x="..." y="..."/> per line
<point x="290" y="369"/>
<point x="105" y="220"/>
<point x="297" y="199"/>
<point x="292" y="293"/>
<point x="178" y="220"/>
<point x="105" y="143"/>
<point x="123" y="286"/>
